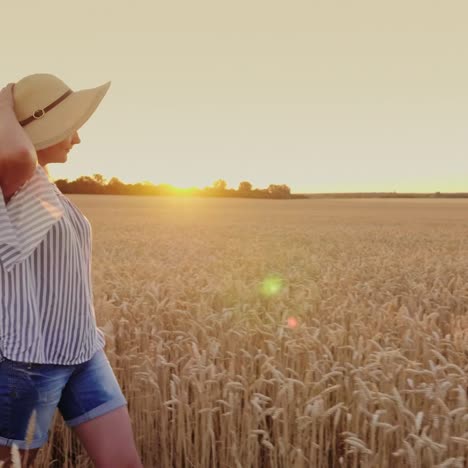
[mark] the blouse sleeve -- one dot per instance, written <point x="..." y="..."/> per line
<point x="27" y="218"/>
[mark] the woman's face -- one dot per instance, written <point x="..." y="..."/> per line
<point x="58" y="153"/>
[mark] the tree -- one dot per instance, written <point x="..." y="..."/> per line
<point x="100" y="179"/>
<point x="279" y="191"/>
<point x="245" y="187"/>
<point x="115" y="185"/>
<point x="85" y="184"/>
<point x="62" y="185"/>
<point x="115" y="181"/>
<point x="220" y="185"/>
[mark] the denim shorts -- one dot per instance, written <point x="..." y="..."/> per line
<point x="80" y="391"/>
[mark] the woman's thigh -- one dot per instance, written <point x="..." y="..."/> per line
<point x="26" y="388"/>
<point x="91" y="391"/>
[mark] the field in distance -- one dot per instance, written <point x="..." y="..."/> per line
<point x="295" y="333"/>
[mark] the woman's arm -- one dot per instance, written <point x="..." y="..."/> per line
<point x="18" y="158"/>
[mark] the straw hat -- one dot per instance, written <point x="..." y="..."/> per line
<point x="50" y="111"/>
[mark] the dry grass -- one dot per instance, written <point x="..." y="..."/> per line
<point x="369" y="370"/>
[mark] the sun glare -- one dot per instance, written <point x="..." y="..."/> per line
<point x="271" y="286"/>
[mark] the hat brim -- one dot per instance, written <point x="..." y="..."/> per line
<point x="66" y="118"/>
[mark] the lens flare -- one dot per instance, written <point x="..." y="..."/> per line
<point x="271" y="286"/>
<point x="292" y="322"/>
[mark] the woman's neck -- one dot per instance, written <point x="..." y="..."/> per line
<point x="46" y="171"/>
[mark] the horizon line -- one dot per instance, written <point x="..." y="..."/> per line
<point x="257" y="188"/>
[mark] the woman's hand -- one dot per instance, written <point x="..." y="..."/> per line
<point x="6" y="96"/>
<point x="18" y="158"/>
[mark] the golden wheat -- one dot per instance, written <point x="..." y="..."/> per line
<point x="308" y="333"/>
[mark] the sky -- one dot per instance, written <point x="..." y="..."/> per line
<point x="324" y="96"/>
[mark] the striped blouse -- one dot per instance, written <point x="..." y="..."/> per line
<point x="46" y="299"/>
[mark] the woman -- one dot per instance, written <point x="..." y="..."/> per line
<point x="51" y="350"/>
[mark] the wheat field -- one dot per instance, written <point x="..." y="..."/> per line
<point x="269" y="333"/>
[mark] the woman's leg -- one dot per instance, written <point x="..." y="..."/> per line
<point x="109" y="441"/>
<point x="94" y="406"/>
<point x="28" y="390"/>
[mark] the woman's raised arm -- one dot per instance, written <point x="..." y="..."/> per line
<point x="18" y="158"/>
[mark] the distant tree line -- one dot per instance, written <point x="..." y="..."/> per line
<point x="97" y="184"/>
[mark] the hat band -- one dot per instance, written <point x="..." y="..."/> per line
<point x="41" y="112"/>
